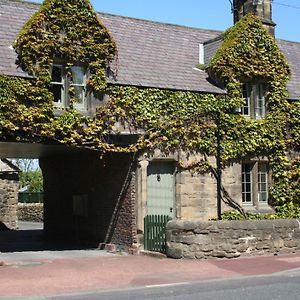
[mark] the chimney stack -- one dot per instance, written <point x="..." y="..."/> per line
<point x="261" y="8"/>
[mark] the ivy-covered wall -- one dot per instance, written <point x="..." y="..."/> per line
<point x="250" y="54"/>
<point x="197" y="123"/>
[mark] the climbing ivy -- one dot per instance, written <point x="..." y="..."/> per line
<point x="250" y="54"/>
<point x="169" y="120"/>
<point x="60" y="31"/>
<point x="69" y="31"/>
<point x="25" y="110"/>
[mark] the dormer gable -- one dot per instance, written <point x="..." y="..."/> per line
<point x="249" y="52"/>
<point x="68" y="31"/>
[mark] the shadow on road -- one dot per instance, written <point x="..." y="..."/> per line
<point x="34" y="240"/>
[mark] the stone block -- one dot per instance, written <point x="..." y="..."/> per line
<point x="186" y="239"/>
<point x="225" y="247"/>
<point x="203" y="225"/>
<point x="296" y="234"/>
<point x="286" y="223"/>
<point x="263" y="245"/>
<point x="174" y="250"/>
<point x="233" y="255"/>
<point x="200" y="255"/>
<point x="264" y="224"/>
<point x="194" y="248"/>
<point x="278" y="243"/>
<point x="291" y="244"/>
<point x="202" y="239"/>
<point x="242" y="248"/>
<point x="226" y="224"/>
<point x="189" y="255"/>
<point x="218" y="253"/>
<point x="206" y="248"/>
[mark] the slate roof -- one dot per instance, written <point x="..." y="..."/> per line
<point x="7" y="166"/>
<point x="291" y="51"/>
<point x="150" y="54"/>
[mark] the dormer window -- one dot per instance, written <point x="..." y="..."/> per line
<point x="69" y="84"/>
<point x="255" y="101"/>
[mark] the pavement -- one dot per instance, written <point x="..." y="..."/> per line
<point x="70" y="271"/>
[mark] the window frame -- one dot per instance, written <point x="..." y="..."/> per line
<point x="83" y="105"/>
<point x="255" y="101"/>
<point x="66" y="84"/>
<point x="258" y="170"/>
<point x="62" y="83"/>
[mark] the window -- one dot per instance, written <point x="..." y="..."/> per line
<point x="247" y="183"/>
<point x="255" y="103"/>
<point x="262" y="177"/>
<point x="255" y="183"/>
<point x="69" y="84"/>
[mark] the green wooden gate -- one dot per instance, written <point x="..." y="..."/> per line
<point x="155" y="232"/>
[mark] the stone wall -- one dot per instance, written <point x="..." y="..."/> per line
<point x="9" y="186"/>
<point x="196" y="194"/>
<point x="198" y="239"/>
<point x="32" y="212"/>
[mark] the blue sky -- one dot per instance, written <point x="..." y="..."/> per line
<point x="206" y="14"/>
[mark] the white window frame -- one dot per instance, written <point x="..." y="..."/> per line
<point x="62" y="83"/>
<point x="247" y="183"/>
<point x="258" y="172"/>
<point x="83" y="104"/>
<point x="263" y="183"/>
<point x="255" y="101"/>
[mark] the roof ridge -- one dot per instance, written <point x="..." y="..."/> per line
<point x="148" y="21"/>
<point x="287" y="41"/>
<point x="161" y="23"/>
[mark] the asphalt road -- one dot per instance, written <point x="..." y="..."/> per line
<point x="285" y="285"/>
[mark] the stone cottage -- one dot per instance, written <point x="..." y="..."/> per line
<point x="9" y="188"/>
<point x="105" y="198"/>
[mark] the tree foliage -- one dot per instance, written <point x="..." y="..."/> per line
<point x="31" y="177"/>
<point x="32" y="181"/>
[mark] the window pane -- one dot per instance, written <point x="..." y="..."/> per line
<point x="57" y="84"/>
<point x="77" y="75"/>
<point x="57" y="93"/>
<point x="79" y="94"/>
<point x="245" y="109"/>
<point x="246" y="183"/>
<point x="259" y="101"/>
<point x="262" y="182"/>
<point x="77" y="82"/>
<point x="56" y="75"/>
